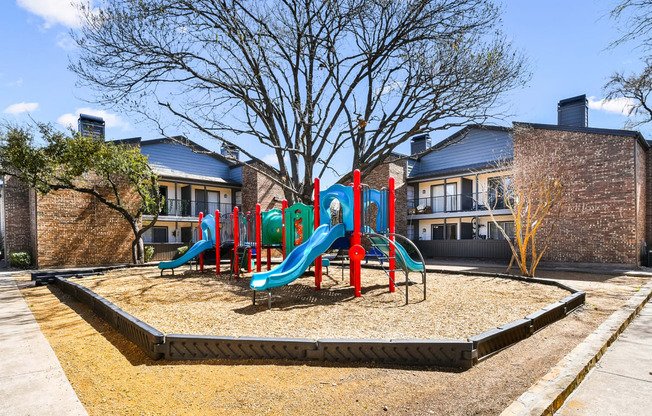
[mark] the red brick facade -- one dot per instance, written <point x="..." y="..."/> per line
<point x="266" y="192"/>
<point x="64" y="228"/>
<point x="602" y="219"/>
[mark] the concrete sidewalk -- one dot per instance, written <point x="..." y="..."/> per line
<point x="32" y="381"/>
<point x="621" y="382"/>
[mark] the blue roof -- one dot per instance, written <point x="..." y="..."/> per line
<point x="473" y="147"/>
<point x="167" y="155"/>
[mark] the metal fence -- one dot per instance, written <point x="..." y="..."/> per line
<point x="164" y="251"/>
<point x="490" y="249"/>
<point x="456" y="203"/>
<point x="186" y="208"/>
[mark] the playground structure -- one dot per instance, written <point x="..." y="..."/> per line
<point x="303" y="233"/>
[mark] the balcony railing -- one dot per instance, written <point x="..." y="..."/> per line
<point x="456" y="203"/>
<point x="185" y="208"/>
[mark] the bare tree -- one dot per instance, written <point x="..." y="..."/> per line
<point x="635" y="17"/>
<point x="534" y="195"/>
<point x="314" y="81"/>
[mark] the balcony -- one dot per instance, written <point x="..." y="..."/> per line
<point x="455" y="203"/>
<point x="191" y="209"/>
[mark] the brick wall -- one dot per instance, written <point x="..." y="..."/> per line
<point x="75" y="229"/>
<point x="379" y="178"/>
<point x="258" y="188"/>
<point x="641" y="194"/>
<point x="598" y="220"/>
<point x="648" y="198"/>
<point x="19" y="218"/>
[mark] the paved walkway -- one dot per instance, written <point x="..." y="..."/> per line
<point x="621" y="382"/>
<point x="32" y="381"/>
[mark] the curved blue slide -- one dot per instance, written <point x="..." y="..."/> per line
<point x="300" y="259"/>
<point x="207" y="243"/>
<point x="192" y="252"/>
<point x="403" y="259"/>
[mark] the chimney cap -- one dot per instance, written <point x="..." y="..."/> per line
<point x="572" y="100"/>
<point x="92" y="118"/>
<point x="420" y="137"/>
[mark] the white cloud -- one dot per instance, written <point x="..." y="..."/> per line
<point x="389" y="87"/>
<point x="65" y="42"/>
<point x="53" y="11"/>
<point x="19" y="108"/>
<point x="616" y="106"/>
<point x="270" y="159"/>
<point x="69" y="120"/>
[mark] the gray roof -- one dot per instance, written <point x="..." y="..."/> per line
<point x="473" y="147"/>
<point x="189" y="161"/>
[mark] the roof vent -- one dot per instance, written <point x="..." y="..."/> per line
<point x="573" y="112"/>
<point x="419" y="144"/>
<point x="230" y="151"/>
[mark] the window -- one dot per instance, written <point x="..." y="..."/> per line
<point x="159" y="234"/>
<point x="497" y="187"/>
<point x="495" y="234"/>
<point x="156" y="235"/>
<point x="439" y="234"/>
<point x="163" y="190"/>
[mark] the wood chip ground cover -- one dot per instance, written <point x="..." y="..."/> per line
<point x="456" y="307"/>
<point x="114" y="377"/>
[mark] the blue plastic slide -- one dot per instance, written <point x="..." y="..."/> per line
<point x="300" y="259"/>
<point x="192" y="252"/>
<point x="207" y="242"/>
<point x="403" y="259"/>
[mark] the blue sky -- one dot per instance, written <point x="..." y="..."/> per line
<point x="565" y="41"/>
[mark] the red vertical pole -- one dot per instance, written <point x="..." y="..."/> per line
<point x="391" y="196"/>
<point x="217" y="242"/>
<point x="249" y="268"/>
<point x="316" y="221"/>
<point x="236" y="239"/>
<point x="357" y="232"/>
<point x="284" y="207"/>
<point x="201" y="255"/>
<point x="269" y="259"/>
<point x="259" y="237"/>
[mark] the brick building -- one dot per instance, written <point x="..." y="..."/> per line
<point x="66" y="228"/>
<point x="442" y="195"/>
<point x="604" y="217"/>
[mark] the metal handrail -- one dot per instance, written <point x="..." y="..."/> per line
<point x="396" y="251"/>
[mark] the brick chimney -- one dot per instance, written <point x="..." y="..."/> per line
<point x="573" y="111"/>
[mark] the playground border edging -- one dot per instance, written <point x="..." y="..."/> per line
<point x="547" y="395"/>
<point x="442" y="353"/>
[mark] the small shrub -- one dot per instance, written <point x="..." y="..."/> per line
<point x="149" y="252"/>
<point x="21" y="260"/>
<point x="182" y="250"/>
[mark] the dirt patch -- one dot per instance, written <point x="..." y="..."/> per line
<point x="456" y="306"/>
<point x="112" y="376"/>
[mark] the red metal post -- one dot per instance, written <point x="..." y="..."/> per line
<point x="217" y="242"/>
<point x="259" y="237"/>
<point x="249" y="268"/>
<point x="201" y="255"/>
<point x="316" y="221"/>
<point x="269" y="259"/>
<point x="391" y="196"/>
<point x="357" y="232"/>
<point x="284" y="207"/>
<point x="236" y="239"/>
